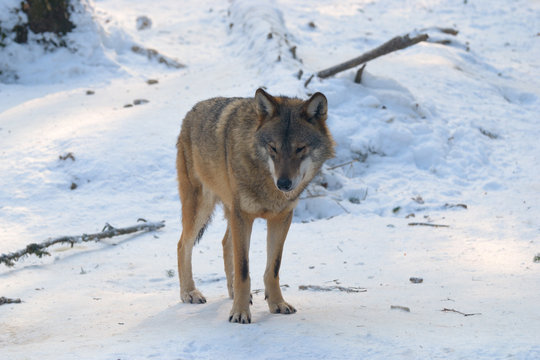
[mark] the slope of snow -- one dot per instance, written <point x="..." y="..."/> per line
<point x="434" y="134"/>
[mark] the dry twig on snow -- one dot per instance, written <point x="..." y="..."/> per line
<point x="342" y="165"/>
<point x="351" y="289"/>
<point x="153" y="54"/>
<point x="107" y="232"/>
<point x="459" y="312"/>
<point x="358" y="77"/>
<point x="257" y="291"/>
<point x="5" y="300"/>
<point x="427" y="224"/>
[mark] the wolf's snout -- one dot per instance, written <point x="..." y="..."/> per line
<point x="284" y="184"/>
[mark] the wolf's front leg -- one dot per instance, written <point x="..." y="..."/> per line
<point x="277" y="232"/>
<point x="240" y="225"/>
<point x="228" y="261"/>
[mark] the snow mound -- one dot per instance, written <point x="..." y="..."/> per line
<point x="259" y="34"/>
<point x="383" y="131"/>
<point x="36" y="63"/>
<point x="97" y="46"/>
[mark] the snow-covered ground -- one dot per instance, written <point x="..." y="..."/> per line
<point x="438" y="134"/>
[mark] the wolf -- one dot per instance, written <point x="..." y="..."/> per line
<point x="255" y="156"/>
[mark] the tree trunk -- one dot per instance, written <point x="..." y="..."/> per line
<point x="44" y="16"/>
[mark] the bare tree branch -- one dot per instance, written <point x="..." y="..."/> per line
<point x="107" y="232"/>
<point x="397" y="43"/>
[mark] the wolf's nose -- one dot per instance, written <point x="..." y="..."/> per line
<point x="284" y="184"/>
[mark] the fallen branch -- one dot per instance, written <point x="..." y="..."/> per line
<point x="342" y="165"/>
<point x="341" y="206"/>
<point x="449" y="206"/>
<point x="397" y="43"/>
<point x="5" y="300"/>
<point x="152" y="54"/>
<point x="107" y="232"/>
<point x="358" y="77"/>
<point x="306" y="83"/>
<point x="351" y="289"/>
<point x="399" y="307"/>
<point x="448" y="30"/>
<point x="313" y="196"/>
<point x="427" y="224"/>
<point x="257" y="291"/>
<point x="459" y="312"/>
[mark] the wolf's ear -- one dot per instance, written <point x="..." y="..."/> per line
<point x="316" y="107"/>
<point x="266" y="104"/>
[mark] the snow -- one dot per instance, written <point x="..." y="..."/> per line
<point x="429" y="128"/>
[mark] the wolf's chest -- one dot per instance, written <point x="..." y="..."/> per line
<point x="266" y="204"/>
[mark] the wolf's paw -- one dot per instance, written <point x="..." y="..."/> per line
<point x="193" y="297"/>
<point x="281" y="308"/>
<point x="241" y="317"/>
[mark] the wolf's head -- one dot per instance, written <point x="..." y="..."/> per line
<point x="292" y="137"/>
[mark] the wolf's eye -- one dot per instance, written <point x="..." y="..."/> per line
<point x="300" y="149"/>
<point x="272" y="148"/>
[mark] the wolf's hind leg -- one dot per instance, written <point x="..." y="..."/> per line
<point x="277" y="232"/>
<point x="188" y="292"/>
<point x="196" y="212"/>
<point x="197" y="207"/>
